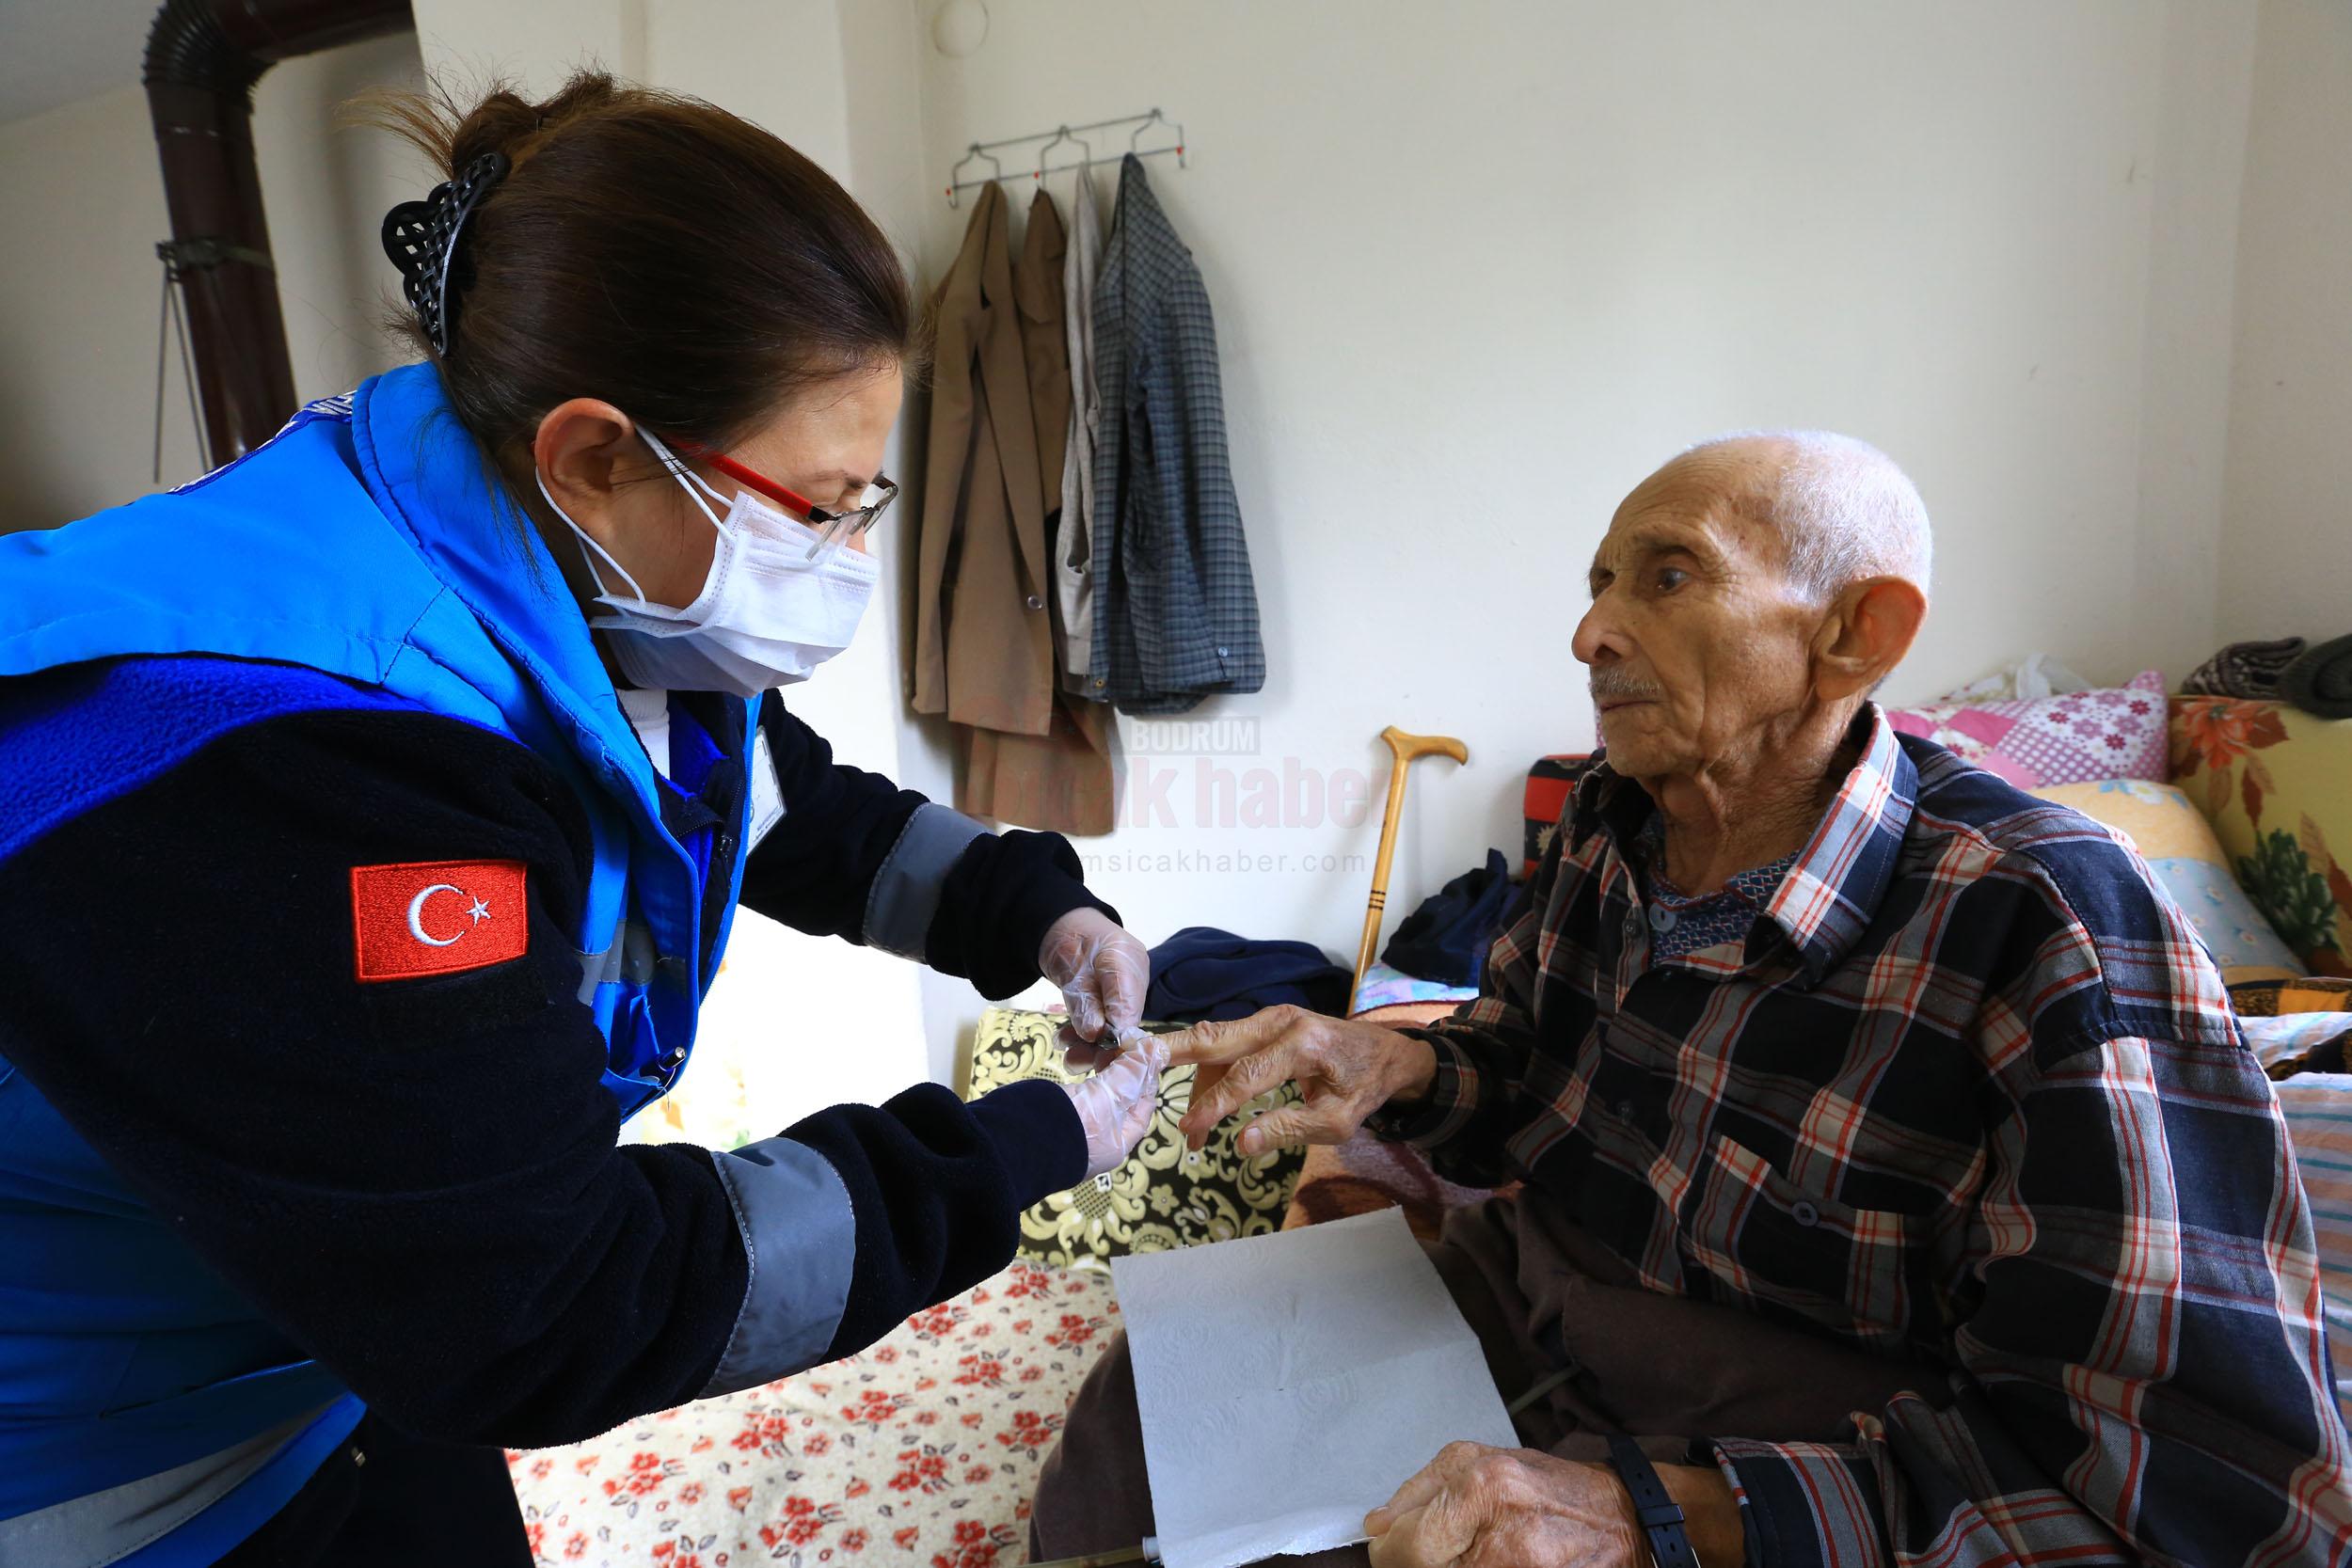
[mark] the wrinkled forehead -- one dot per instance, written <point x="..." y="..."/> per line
<point x="1716" y="500"/>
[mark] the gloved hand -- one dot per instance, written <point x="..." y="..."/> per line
<point x="1103" y="973"/>
<point x="1115" y="1103"/>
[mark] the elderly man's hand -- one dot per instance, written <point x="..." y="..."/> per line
<point x="1345" y="1070"/>
<point x="1477" y="1507"/>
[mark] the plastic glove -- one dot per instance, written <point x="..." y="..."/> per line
<point x="1103" y="973"/>
<point x="1114" y="1104"/>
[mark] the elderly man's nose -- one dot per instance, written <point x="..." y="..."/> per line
<point x="1596" y="635"/>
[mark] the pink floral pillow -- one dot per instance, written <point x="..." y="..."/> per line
<point x="2033" y="741"/>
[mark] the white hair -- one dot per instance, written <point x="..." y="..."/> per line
<point x="1844" y="510"/>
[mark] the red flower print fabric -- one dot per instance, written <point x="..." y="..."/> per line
<point x="924" y="1447"/>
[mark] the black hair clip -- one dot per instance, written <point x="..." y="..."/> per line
<point x="421" y="237"/>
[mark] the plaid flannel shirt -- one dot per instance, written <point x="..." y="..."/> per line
<point x="1969" y="1090"/>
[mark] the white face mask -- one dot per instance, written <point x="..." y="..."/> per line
<point x="767" y="616"/>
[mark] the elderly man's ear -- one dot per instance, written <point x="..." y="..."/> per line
<point x="1866" y="634"/>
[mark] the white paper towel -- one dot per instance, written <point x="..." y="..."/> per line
<point x="1290" y="1383"/>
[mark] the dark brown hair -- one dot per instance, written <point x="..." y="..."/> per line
<point x="652" y="250"/>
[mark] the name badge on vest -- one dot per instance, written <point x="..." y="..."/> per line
<point x="767" y="795"/>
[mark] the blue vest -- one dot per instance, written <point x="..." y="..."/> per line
<point x="367" y="542"/>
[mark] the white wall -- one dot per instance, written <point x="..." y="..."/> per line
<point x="531" y="44"/>
<point x="1479" y="268"/>
<point x="2195" y="181"/>
<point x="79" y="281"/>
<point x="2287" y="568"/>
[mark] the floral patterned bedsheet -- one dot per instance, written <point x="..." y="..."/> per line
<point x="924" y="1447"/>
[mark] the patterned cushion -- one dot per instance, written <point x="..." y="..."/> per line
<point x="1165" y="1195"/>
<point x="2306" y="993"/>
<point x="2318" y="1107"/>
<point x="2179" y="846"/>
<point x="2077" y="739"/>
<point x="922" y="1448"/>
<point x="1549" y="784"/>
<point x="2276" y="784"/>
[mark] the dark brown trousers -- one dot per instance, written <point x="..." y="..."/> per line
<point x="1542" y="1298"/>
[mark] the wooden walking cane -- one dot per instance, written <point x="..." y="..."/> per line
<point x="1403" y="749"/>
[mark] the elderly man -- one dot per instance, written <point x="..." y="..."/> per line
<point x="1892" y="1168"/>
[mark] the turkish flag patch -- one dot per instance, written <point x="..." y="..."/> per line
<point x="437" y="917"/>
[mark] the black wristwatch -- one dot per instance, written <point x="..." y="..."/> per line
<point x="1660" y="1515"/>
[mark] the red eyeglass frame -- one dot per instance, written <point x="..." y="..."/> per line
<point x="814" y="516"/>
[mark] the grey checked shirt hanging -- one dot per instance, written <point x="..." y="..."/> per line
<point x="1176" y="610"/>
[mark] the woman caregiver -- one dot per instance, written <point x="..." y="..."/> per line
<point x="373" y="813"/>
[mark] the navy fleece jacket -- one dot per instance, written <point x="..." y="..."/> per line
<point x="419" y="1183"/>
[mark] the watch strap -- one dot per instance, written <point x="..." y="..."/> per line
<point x="1660" y="1517"/>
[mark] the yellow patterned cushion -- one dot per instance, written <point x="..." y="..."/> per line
<point x="1165" y="1196"/>
<point x="2179" y="847"/>
<point x="2304" y="993"/>
<point x="2276" y="784"/>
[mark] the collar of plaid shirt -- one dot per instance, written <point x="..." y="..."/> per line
<point x="1684" y="921"/>
<point x="1827" y="895"/>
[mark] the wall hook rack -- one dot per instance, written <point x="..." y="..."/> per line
<point x="1151" y="122"/>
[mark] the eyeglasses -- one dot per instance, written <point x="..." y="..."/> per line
<point x="833" y="527"/>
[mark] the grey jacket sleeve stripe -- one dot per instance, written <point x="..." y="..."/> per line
<point x="800" y="1237"/>
<point x="905" y="892"/>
